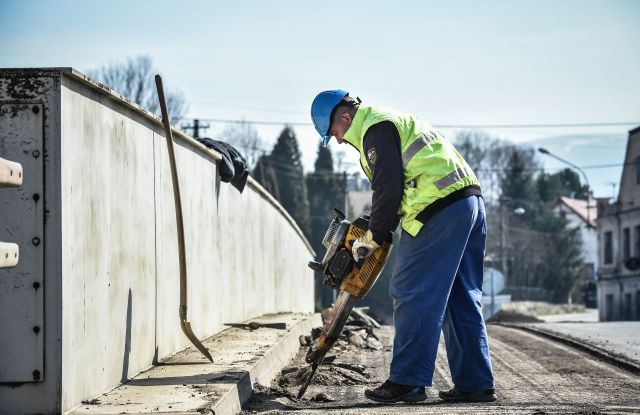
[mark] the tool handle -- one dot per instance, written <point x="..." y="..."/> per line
<point x="307" y="381"/>
<point x="177" y="199"/>
<point x="182" y="309"/>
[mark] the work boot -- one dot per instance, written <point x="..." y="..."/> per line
<point x="390" y="392"/>
<point x="459" y="395"/>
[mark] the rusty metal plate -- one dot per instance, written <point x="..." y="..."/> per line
<point x="22" y="222"/>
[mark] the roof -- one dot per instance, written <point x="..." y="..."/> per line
<point x="635" y="130"/>
<point x="579" y="208"/>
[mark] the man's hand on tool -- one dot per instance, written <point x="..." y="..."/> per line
<point x="364" y="246"/>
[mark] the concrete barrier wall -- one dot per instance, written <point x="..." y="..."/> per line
<point x="111" y="266"/>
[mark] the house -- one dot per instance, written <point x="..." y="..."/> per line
<point x="583" y="217"/>
<point x="618" y="228"/>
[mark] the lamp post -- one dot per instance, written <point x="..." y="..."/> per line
<point x="503" y="258"/>
<point x="584" y="175"/>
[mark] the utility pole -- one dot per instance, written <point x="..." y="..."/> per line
<point x="503" y="257"/>
<point x="196" y="127"/>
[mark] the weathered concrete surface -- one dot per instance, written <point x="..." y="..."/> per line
<point x="186" y="383"/>
<point x="621" y="338"/>
<point x="534" y="376"/>
<point x="110" y="277"/>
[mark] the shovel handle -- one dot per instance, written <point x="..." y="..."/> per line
<point x="182" y="311"/>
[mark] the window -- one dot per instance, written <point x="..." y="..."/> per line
<point x="608" y="307"/>
<point x="638" y="169"/>
<point x="608" y="247"/>
<point x="637" y="244"/>
<point x="626" y="307"/>
<point x="626" y="244"/>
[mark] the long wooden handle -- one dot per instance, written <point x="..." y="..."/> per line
<point x="176" y="198"/>
<point x="184" y="324"/>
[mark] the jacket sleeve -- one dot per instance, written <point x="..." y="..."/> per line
<point x="382" y="147"/>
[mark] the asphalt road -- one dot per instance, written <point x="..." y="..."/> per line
<point x="534" y="375"/>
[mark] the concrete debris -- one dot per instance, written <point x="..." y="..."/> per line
<point x="356" y="368"/>
<point x="374" y="343"/>
<point x="361" y="313"/>
<point x="322" y="397"/>
<point x="504" y="316"/>
<point x="358" y="331"/>
<point x="364" y="339"/>
<point x="328" y="375"/>
<point x="269" y="398"/>
<point x="356" y="339"/>
<point x="93" y="401"/>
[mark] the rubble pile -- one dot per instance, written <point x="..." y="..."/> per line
<point x="508" y="316"/>
<point x="358" y="332"/>
<point x="332" y="374"/>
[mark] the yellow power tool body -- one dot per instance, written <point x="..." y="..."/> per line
<point x="352" y="279"/>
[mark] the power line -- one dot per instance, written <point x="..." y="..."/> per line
<point x="228" y="121"/>
<point x="288" y="111"/>
<point x="445" y="126"/>
<point x="213" y="104"/>
<point x="560" y="125"/>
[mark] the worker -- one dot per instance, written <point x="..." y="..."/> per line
<point x="418" y="177"/>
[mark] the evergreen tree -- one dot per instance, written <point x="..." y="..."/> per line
<point x="563" y="267"/>
<point x="283" y="172"/>
<point x="325" y="192"/>
<point x="517" y="181"/>
<point x="544" y="254"/>
<point x="265" y="174"/>
<point x="563" y="183"/>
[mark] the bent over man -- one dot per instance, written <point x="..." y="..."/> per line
<point x="419" y="177"/>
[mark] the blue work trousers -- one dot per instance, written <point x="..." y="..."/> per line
<point x="436" y="286"/>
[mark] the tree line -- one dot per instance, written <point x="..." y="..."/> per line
<point x="537" y="250"/>
<point x="542" y="253"/>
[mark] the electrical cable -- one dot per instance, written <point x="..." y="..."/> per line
<point x="444" y="126"/>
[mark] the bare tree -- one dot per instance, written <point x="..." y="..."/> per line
<point x="245" y="137"/>
<point x="134" y="79"/>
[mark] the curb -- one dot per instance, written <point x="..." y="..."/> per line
<point x="185" y="384"/>
<point x="602" y="354"/>
<point x="263" y="371"/>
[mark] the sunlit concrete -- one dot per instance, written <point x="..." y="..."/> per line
<point x="108" y="298"/>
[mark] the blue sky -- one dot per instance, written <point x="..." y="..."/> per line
<point x="456" y="62"/>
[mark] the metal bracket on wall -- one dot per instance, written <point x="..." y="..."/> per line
<point x="10" y="176"/>
<point x="10" y="173"/>
<point x="22" y="222"/>
<point x="9" y="254"/>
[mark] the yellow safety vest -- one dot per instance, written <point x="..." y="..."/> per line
<point x="433" y="168"/>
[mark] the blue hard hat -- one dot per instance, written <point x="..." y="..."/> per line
<point x="321" y="110"/>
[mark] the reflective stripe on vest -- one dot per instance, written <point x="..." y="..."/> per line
<point x="433" y="168"/>
<point x="451" y="178"/>
<point x="416" y="146"/>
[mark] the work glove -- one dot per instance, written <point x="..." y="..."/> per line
<point x="364" y="246"/>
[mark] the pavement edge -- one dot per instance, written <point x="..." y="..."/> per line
<point x="264" y="370"/>
<point x="598" y="352"/>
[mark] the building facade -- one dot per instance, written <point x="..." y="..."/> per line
<point x="618" y="228"/>
<point x="583" y="215"/>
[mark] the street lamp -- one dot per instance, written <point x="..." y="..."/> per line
<point x="586" y="180"/>
<point x="503" y="258"/>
